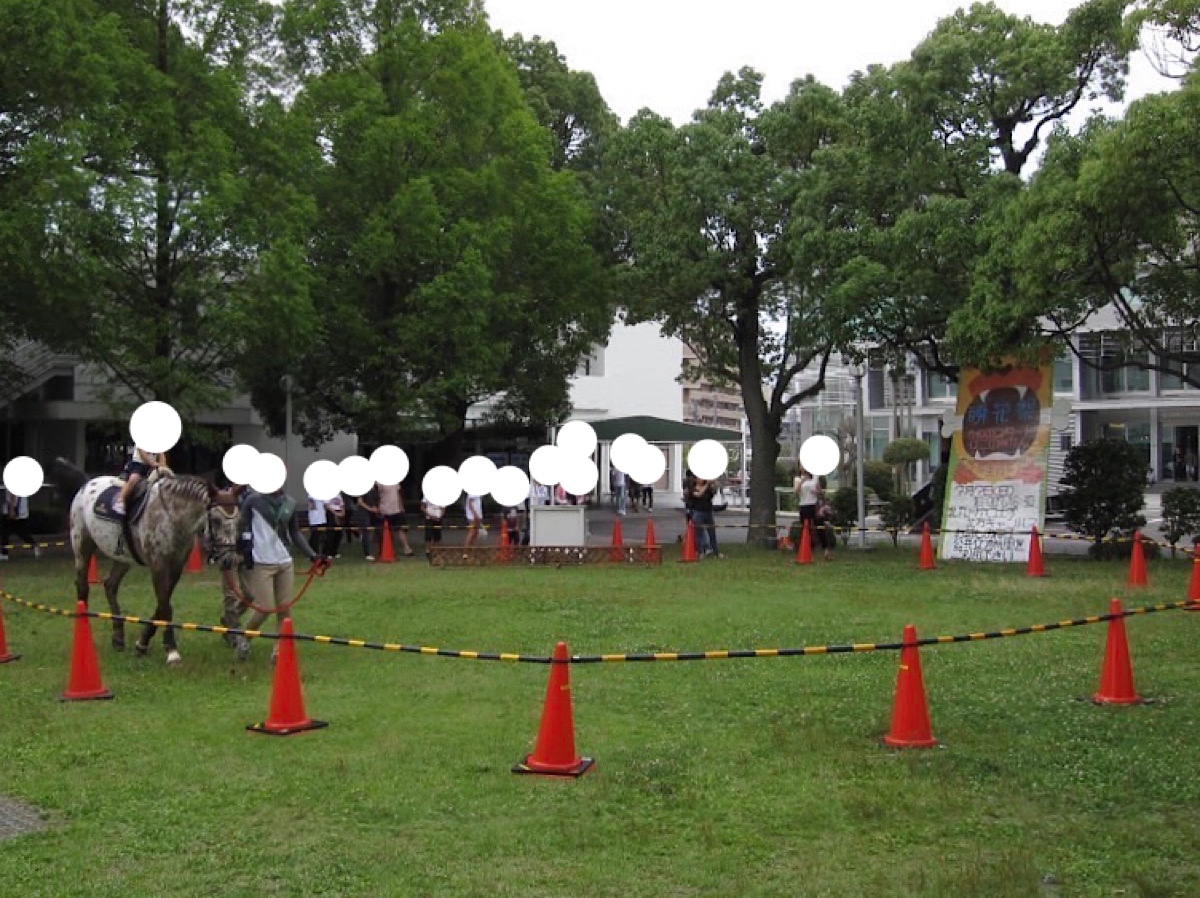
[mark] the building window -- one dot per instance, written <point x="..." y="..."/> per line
<point x="1119" y="373"/>
<point x="592" y="364"/>
<point x="938" y="386"/>
<point x="1065" y="442"/>
<point x="1064" y="374"/>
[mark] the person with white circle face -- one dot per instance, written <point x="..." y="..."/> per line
<point x="808" y="494"/>
<point x="15" y="522"/>
<point x="474" y="509"/>
<point x="142" y="464"/>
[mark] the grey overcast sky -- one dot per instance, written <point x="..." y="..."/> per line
<point x="668" y="54"/>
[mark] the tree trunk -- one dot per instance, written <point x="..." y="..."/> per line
<point x="765" y="424"/>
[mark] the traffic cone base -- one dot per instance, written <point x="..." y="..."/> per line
<point x="554" y="754"/>
<point x="286" y="715"/>
<point x="524" y="767"/>
<point x="1116" y="677"/>
<point x="1193" y="593"/>
<point x="84" y="683"/>
<point x="910" y="712"/>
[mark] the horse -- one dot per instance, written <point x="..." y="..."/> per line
<point x="163" y="523"/>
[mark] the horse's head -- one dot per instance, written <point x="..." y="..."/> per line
<point x="222" y="527"/>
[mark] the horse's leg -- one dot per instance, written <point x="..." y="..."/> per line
<point x="164" y="584"/>
<point x="111" y="585"/>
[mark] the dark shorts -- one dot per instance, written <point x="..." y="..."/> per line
<point x="136" y="467"/>
<point x="396" y="521"/>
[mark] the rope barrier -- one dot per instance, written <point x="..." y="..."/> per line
<point x="724" y="654"/>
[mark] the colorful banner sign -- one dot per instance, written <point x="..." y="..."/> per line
<point x="996" y="486"/>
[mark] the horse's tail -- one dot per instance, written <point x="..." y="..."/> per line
<point x="68" y="478"/>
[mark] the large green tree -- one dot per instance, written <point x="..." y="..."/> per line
<point x="168" y="223"/>
<point x="705" y="208"/>
<point x="936" y="150"/>
<point x="452" y="259"/>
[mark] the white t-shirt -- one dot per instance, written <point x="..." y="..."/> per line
<point x="268" y="547"/>
<point x="474" y="507"/>
<point x="21" y="504"/>
<point x="316" y="513"/>
<point x="810" y="491"/>
<point x="433" y="512"/>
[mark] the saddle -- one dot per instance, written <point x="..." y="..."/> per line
<point x="134" y="506"/>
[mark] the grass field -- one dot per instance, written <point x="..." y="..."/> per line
<point x="736" y="777"/>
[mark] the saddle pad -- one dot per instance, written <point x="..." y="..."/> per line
<point x="104" y="502"/>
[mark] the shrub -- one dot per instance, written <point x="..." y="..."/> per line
<point x="845" y="511"/>
<point x="879" y="477"/>
<point x="897" y="514"/>
<point x="901" y="453"/>
<point x="1119" y="549"/>
<point x="1181" y="514"/>
<point x="1103" y="483"/>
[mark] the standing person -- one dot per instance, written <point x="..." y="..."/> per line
<point x="433" y="523"/>
<point x="474" y="509"/>
<point x="335" y="516"/>
<point x="368" y="521"/>
<point x="616" y="483"/>
<point x="269" y="527"/>
<point x="689" y="487"/>
<point x="808" y="494"/>
<point x="648" y="496"/>
<point x="16" y="522"/>
<point x="391" y="509"/>
<point x="827" y="535"/>
<point x="633" y="491"/>
<point x="702" y="516"/>
<point x="318" y="520"/>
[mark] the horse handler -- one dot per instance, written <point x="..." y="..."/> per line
<point x="269" y="527"/>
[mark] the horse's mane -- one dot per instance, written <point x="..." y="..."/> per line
<point x="186" y="487"/>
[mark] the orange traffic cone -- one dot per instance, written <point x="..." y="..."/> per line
<point x="1193" y="593"/>
<point x="505" y="553"/>
<point x="554" y="754"/>
<point x="286" y="715"/>
<point x="386" y="551"/>
<point x="689" y="544"/>
<point x="650" y="543"/>
<point x="93" y="572"/>
<point x="804" y="550"/>
<point x="195" y="562"/>
<point x="1116" y="678"/>
<point x="927" y="562"/>
<point x="910" y="712"/>
<point x="84" y="682"/>
<point x="1036" y="567"/>
<point x="5" y="655"/>
<point x="617" y="543"/>
<point x="1137" y="563"/>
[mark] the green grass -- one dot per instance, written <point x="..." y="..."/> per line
<point x="742" y="777"/>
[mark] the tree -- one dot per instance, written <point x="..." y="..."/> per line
<point x="934" y="151"/>
<point x="452" y="260"/>
<point x="1181" y="514"/>
<point x="900" y="454"/>
<point x="168" y="227"/>
<point x="1110" y="222"/>
<point x="1102" y="489"/>
<point x="703" y="210"/>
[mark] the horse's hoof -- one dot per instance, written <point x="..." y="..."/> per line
<point x="118" y="646"/>
<point x="243" y="648"/>
<point x="173" y="658"/>
<point x="141" y="649"/>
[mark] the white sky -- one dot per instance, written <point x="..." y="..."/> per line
<point x="669" y="54"/>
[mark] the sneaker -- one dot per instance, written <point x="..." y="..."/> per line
<point x="368" y="558"/>
<point x="37" y="551"/>
<point x="3" y="556"/>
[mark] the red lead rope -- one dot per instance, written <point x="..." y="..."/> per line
<point x="317" y="570"/>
